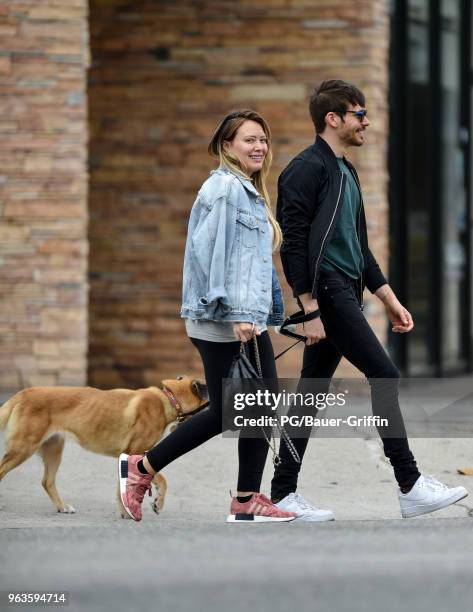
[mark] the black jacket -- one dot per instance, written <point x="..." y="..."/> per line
<point x="310" y="193"/>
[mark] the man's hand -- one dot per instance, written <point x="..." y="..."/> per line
<point x="314" y="329"/>
<point x="399" y="316"/>
<point x="245" y="331"/>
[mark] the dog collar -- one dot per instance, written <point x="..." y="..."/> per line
<point x="174" y="403"/>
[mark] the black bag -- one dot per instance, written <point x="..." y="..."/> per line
<point x="242" y="369"/>
<point x="242" y="366"/>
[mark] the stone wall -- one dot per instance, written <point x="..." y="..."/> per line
<point x="162" y="74"/>
<point x="43" y="193"/>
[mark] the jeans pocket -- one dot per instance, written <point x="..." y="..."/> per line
<point x="333" y="286"/>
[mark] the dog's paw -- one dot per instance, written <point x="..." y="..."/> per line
<point x="157" y="504"/>
<point x="67" y="510"/>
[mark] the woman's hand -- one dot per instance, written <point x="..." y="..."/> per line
<point x="245" y="331"/>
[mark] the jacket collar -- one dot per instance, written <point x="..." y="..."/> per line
<point x="329" y="156"/>
<point x="326" y="151"/>
<point x="246" y="182"/>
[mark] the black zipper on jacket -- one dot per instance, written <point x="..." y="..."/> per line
<point x="328" y="230"/>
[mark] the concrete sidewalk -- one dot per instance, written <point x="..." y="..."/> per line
<point x="349" y="476"/>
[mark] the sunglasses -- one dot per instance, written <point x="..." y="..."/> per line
<point x="361" y="114"/>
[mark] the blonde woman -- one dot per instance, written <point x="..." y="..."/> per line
<point x="230" y="294"/>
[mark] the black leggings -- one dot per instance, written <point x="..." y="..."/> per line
<point x="217" y="358"/>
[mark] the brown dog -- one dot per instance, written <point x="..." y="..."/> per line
<point x="105" y="422"/>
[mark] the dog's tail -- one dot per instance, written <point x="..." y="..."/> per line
<point x="6" y="410"/>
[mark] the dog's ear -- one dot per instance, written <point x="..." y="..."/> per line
<point x="200" y="389"/>
<point x="180" y="377"/>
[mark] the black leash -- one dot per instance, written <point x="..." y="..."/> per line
<point x="298" y="317"/>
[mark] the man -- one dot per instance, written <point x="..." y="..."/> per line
<point x="327" y="263"/>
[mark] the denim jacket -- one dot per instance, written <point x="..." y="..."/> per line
<point x="228" y="271"/>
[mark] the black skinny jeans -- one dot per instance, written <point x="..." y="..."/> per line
<point x="349" y="335"/>
<point x="217" y="358"/>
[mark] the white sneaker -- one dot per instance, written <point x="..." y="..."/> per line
<point x="428" y="495"/>
<point x="294" y="502"/>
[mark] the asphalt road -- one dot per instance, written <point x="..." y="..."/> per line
<point x="179" y="565"/>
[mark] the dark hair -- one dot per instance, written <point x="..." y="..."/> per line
<point x="333" y="95"/>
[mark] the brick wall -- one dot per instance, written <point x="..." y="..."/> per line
<point x="162" y="74"/>
<point x="43" y="193"/>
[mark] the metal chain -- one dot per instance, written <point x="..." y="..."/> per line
<point x="272" y="445"/>
<point x="282" y="432"/>
<point x="257" y="359"/>
<point x="289" y="443"/>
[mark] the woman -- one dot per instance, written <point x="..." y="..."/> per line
<point x="230" y="294"/>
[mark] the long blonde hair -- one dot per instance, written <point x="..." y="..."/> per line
<point x="225" y="131"/>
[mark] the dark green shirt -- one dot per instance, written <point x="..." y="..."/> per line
<point x="344" y="251"/>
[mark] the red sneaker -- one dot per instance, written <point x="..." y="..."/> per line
<point x="258" y="509"/>
<point x="133" y="484"/>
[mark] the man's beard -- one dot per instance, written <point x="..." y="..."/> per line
<point x="351" y="138"/>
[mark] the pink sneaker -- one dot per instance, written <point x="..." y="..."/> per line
<point x="258" y="509"/>
<point x="133" y="484"/>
